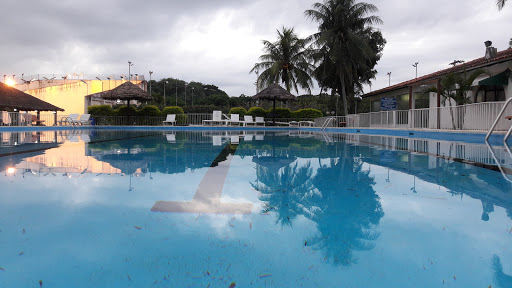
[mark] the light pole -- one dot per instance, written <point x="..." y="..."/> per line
<point x="192" y="96"/>
<point x="389" y="75"/>
<point x="129" y="66"/>
<point x="185" y="94"/>
<point x="415" y="65"/>
<point x="165" y="82"/>
<point x="150" y="72"/>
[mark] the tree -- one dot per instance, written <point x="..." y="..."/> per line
<point x="285" y="60"/>
<point x="500" y="4"/>
<point x="454" y="88"/>
<point x="343" y="43"/>
<point x="510" y="43"/>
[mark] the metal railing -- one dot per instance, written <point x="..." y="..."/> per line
<point x="478" y="116"/>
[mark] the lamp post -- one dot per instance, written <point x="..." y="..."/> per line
<point x="150" y="72"/>
<point x="192" y="96"/>
<point x="129" y="75"/>
<point x="389" y="75"/>
<point x="165" y="82"/>
<point x="185" y="94"/>
<point x="415" y="65"/>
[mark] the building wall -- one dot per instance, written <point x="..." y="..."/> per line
<point x="70" y="94"/>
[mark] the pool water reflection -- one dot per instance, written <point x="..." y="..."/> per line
<point x="208" y="209"/>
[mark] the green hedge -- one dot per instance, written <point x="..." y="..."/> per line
<point x="257" y="112"/>
<point x="149" y="111"/>
<point x="280" y="113"/>
<point x="172" y="110"/>
<point x="127" y="111"/>
<point x="101" y="110"/>
<point x="307" y="113"/>
<point x="238" y="110"/>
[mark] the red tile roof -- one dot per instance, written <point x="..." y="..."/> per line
<point x="480" y="62"/>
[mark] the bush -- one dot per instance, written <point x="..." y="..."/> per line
<point x="127" y="111"/>
<point x="101" y="110"/>
<point x="149" y="111"/>
<point x="257" y="112"/>
<point x="172" y="110"/>
<point x="238" y="110"/>
<point x="280" y="113"/>
<point x="307" y="113"/>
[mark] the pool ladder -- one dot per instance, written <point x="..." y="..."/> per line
<point x="327" y="122"/>
<point x="496" y="123"/>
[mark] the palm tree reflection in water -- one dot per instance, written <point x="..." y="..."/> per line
<point x="340" y="199"/>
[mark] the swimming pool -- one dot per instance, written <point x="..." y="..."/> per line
<point x="100" y="208"/>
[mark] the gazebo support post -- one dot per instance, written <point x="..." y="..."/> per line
<point x="54" y="118"/>
<point x="274" y="113"/>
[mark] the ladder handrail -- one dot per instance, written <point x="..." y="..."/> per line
<point x="498" y="162"/>
<point x="498" y="119"/>
<point x="326" y="122"/>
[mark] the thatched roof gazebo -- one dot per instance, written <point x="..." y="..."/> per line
<point x="126" y="92"/>
<point x="12" y="98"/>
<point x="274" y="92"/>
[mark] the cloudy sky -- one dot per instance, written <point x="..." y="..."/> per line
<point x="218" y="42"/>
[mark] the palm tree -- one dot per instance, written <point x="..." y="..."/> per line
<point x="500" y="3"/>
<point x="454" y="88"/>
<point x="285" y="60"/>
<point x="343" y="32"/>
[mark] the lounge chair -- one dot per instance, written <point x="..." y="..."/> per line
<point x="68" y="120"/>
<point x="217" y="140"/>
<point x="171" y="138"/>
<point x="85" y="119"/>
<point x="306" y="123"/>
<point x="248" y="121"/>
<point x="235" y="140"/>
<point x="216" y="118"/>
<point x="171" y="118"/>
<point x="235" y="119"/>
<point x="259" y="121"/>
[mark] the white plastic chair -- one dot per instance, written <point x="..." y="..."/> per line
<point x="235" y="119"/>
<point x="71" y="119"/>
<point x="216" y="118"/>
<point x="84" y="119"/>
<point x="248" y="120"/>
<point x="171" y="118"/>
<point x="260" y="120"/>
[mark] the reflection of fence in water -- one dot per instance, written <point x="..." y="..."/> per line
<point x="452" y="150"/>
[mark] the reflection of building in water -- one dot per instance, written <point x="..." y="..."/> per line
<point x="457" y="166"/>
<point x="51" y="151"/>
<point x="68" y="158"/>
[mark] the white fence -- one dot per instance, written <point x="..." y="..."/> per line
<point x="479" y="116"/>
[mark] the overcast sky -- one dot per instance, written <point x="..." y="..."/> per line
<point x="218" y="42"/>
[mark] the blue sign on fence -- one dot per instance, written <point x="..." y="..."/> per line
<point x="387" y="104"/>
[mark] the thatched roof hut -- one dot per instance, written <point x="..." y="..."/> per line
<point x="127" y="92"/>
<point x="274" y="92"/>
<point x="12" y="98"/>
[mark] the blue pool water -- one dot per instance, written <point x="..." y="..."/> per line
<point x="252" y="209"/>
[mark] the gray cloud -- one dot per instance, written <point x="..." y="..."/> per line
<point x="218" y="42"/>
